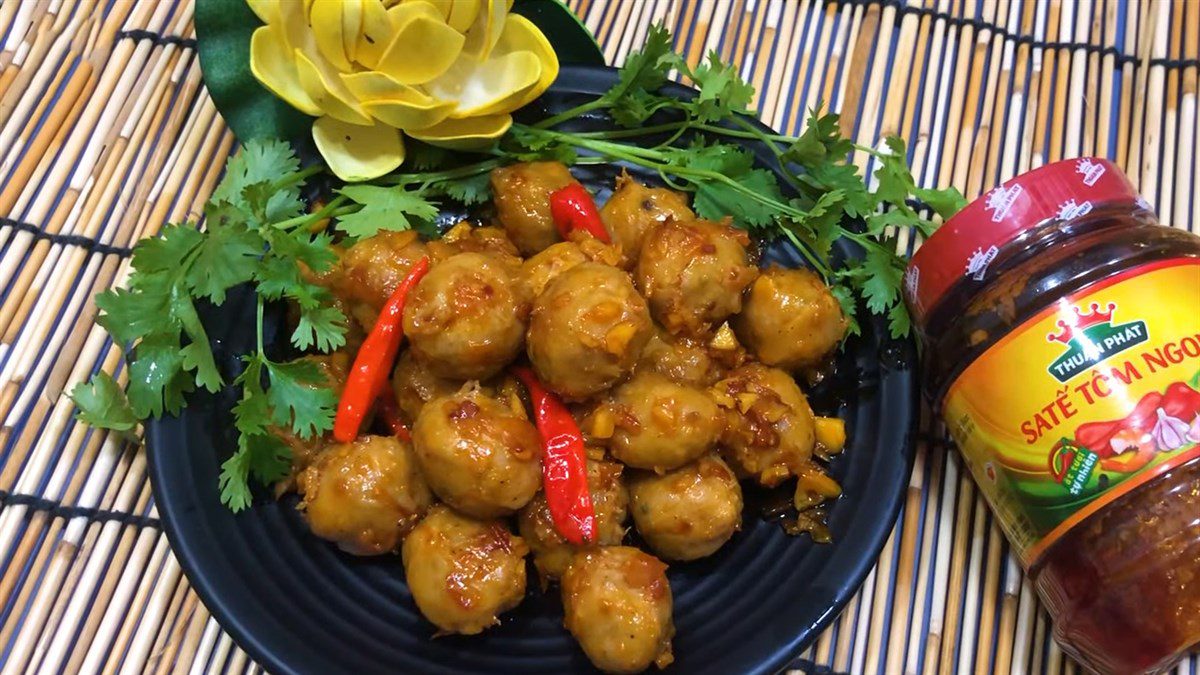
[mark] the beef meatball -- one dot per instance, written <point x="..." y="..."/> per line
<point x="372" y="269"/>
<point x="587" y="330"/>
<point x="521" y="193"/>
<point x="790" y="319"/>
<point x="693" y="274"/>
<point x="365" y="496"/>
<point x="610" y="501"/>
<point x="617" y="604"/>
<point x="634" y="209"/>
<point x="466" y="318"/>
<point x="662" y="425"/>
<point x="415" y="385"/>
<point x="466" y="238"/>
<point x="464" y="573"/>
<point x="687" y="513"/>
<point x="538" y="271"/>
<point x="479" y="455"/>
<point x="681" y="360"/>
<point x="768" y="424"/>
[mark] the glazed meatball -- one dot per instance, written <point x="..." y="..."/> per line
<point x="587" y="330"/>
<point x="538" y="271"/>
<point x="415" y="385"/>
<point x="693" y="274"/>
<point x="610" y="501"/>
<point x="479" y="455"/>
<point x="687" y="513"/>
<point x="521" y="193"/>
<point x="617" y="604"/>
<point x="466" y="318"/>
<point x="790" y="319"/>
<point x="365" y="496"/>
<point x="372" y="269"/>
<point x="681" y="360"/>
<point x="633" y="209"/>
<point x="662" y="425"/>
<point x="464" y="573"/>
<point x="466" y="238"/>
<point x="768" y="424"/>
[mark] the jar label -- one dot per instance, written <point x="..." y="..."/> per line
<point x="1084" y="402"/>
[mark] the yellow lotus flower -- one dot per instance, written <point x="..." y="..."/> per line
<point x="447" y="72"/>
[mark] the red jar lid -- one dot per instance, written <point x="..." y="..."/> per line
<point x="966" y="243"/>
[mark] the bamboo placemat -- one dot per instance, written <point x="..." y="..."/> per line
<point x="106" y="133"/>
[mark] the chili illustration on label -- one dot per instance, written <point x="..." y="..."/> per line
<point x="1108" y="398"/>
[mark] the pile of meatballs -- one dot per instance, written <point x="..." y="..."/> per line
<point x="676" y="354"/>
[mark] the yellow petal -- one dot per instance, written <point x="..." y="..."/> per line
<point x="443" y="6"/>
<point x="463" y="13"/>
<point x="352" y="15"/>
<point x="271" y="66"/>
<point x="370" y="85"/>
<point x="485" y="30"/>
<point x="396" y="104"/>
<point x="326" y="89"/>
<point x="376" y="33"/>
<point x="267" y="11"/>
<point x="474" y="133"/>
<point x="520" y="34"/>
<point x="422" y="46"/>
<point x="356" y="153"/>
<point x="326" y="21"/>
<point x="488" y="87"/>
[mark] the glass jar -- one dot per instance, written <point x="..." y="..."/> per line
<point x="1061" y="345"/>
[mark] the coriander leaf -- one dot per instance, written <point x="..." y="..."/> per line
<point x="275" y="276"/>
<point x="469" y="190"/>
<point x="945" y="202"/>
<point x="226" y="256"/>
<point x="884" y="272"/>
<point x="821" y="141"/>
<point x="263" y="456"/>
<point x="167" y="252"/>
<point x="528" y="144"/>
<point x="299" y="398"/>
<point x="385" y="208"/>
<point x="252" y="413"/>
<point x="722" y="90"/>
<point x="157" y="381"/>
<point x="828" y="176"/>
<point x="234" y="481"/>
<point x="423" y="156"/>
<point x="823" y="219"/>
<point x="198" y="355"/>
<point x="716" y="199"/>
<point x="899" y="322"/>
<point x="129" y="316"/>
<point x="846" y="298"/>
<point x="102" y="404"/>
<point x="877" y="223"/>
<point x="324" y="327"/>
<point x="644" y="69"/>
<point x="315" y="251"/>
<point x="258" y="161"/>
<point x="635" y="108"/>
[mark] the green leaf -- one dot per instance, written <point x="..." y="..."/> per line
<point x="299" y="398"/>
<point x="258" y="161"/>
<point x="324" y="327"/>
<point x="131" y="315"/>
<point x="884" y="272"/>
<point x="385" y="208"/>
<point x="899" y="322"/>
<point x="226" y="256"/>
<point x="722" y="91"/>
<point x="102" y="404"/>
<point x="424" y="157"/>
<point x="252" y="413"/>
<point x="823" y="220"/>
<point x="846" y="298"/>
<point x="945" y="202"/>
<point x="470" y="190"/>
<point x="157" y="381"/>
<point x="716" y="199"/>
<point x="168" y="252"/>
<point x="877" y="223"/>
<point x="234" y="481"/>
<point x="644" y="69"/>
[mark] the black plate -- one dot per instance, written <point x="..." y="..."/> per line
<point x="298" y="605"/>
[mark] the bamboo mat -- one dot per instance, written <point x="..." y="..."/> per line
<point x="106" y="133"/>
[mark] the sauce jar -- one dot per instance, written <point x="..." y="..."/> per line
<point x="1061" y="345"/>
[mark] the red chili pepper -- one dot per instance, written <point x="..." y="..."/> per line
<point x="564" y="463"/>
<point x="389" y="412"/>
<point x="573" y="209"/>
<point x="368" y="376"/>
<point x="1179" y="401"/>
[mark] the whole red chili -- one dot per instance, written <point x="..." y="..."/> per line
<point x="564" y="463"/>
<point x="368" y="376"/>
<point x="573" y="209"/>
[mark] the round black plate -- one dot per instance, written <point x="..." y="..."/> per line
<point x="298" y="605"/>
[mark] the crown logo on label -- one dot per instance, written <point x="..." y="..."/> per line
<point x="1082" y="322"/>
<point x="1091" y="171"/>
<point x="1000" y="201"/>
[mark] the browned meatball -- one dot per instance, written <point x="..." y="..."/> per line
<point x="466" y="318"/>
<point x="464" y="573"/>
<point x="690" y="512"/>
<point x="769" y="426"/>
<point x="587" y="329"/>
<point x="521" y="193"/>
<point x="372" y="269"/>
<point x="479" y="455"/>
<point x="415" y="385"/>
<point x="365" y="496"/>
<point x="617" y="604"/>
<point x="662" y="425"/>
<point x="610" y="501"/>
<point x="693" y="274"/>
<point x="466" y="238"/>
<point x="681" y="360"/>
<point x="633" y="209"/>
<point x="538" y="271"/>
<point x="790" y="319"/>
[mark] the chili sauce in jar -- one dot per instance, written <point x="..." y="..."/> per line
<point x="1061" y="332"/>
